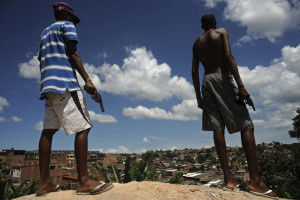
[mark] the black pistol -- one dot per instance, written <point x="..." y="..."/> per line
<point x="242" y="102"/>
<point x="97" y="97"/>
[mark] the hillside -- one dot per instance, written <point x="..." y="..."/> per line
<point x="150" y="190"/>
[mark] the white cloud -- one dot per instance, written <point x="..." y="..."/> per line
<point x="139" y="151"/>
<point x="276" y="88"/>
<point x="208" y="3"/>
<point x="102" y="118"/>
<point x="143" y="77"/>
<point x="173" y="148"/>
<point x="111" y="151"/>
<point x="263" y="19"/>
<point x="2" y="119"/>
<point x="275" y="84"/>
<point x="16" y="118"/>
<point x="146" y="140"/>
<point x="258" y="122"/>
<point x="3" y="103"/>
<point x="185" y="111"/>
<point x="120" y="149"/>
<point x="291" y="56"/>
<point x="102" y="55"/>
<point x="30" y="69"/>
<point x="39" y="126"/>
<point x="99" y="150"/>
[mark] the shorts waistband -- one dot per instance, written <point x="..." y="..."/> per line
<point x="217" y="75"/>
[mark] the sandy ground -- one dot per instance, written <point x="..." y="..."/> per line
<point x="151" y="190"/>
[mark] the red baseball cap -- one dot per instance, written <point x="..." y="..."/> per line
<point x="58" y="6"/>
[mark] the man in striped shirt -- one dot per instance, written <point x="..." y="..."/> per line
<point x="65" y="105"/>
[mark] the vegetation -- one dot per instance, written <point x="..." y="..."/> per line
<point x="295" y="133"/>
<point x="143" y="169"/>
<point x="279" y="172"/>
<point x="176" y="179"/>
<point x="134" y="171"/>
<point x="9" y="191"/>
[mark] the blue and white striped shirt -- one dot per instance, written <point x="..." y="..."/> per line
<point x="57" y="74"/>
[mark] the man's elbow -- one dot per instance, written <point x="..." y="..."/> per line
<point x="229" y="57"/>
<point x="195" y="70"/>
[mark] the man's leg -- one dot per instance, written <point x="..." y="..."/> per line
<point x="85" y="184"/>
<point x="81" y="147"/>
<point x="220" y="144"/>
<point x="249" y="145"/>
<point x="44" y="161"/>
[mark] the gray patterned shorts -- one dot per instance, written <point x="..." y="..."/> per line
<point x="221" y="106"/>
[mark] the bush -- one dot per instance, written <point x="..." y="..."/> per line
<point x="278" y="171"/>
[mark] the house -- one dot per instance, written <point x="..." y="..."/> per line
<point x="192" y="176"/>
<point x="15" y="175"/>
<point x="171" y="172"/>
<point x="13" y="158"/>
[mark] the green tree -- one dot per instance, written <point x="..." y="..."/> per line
<point x="127" y="177"/>
<point x="295" y="133"/>
<point x="144" y="169"/>
<point x="9" y="191"/>
<point x="116" y="173"/>
<point x="151" y="173"/>
<point x="102" y="172"/>
<point x="278" y="171"/>
<point x="176" y="179"/>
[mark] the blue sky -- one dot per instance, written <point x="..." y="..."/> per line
<point x="138" y="53"/>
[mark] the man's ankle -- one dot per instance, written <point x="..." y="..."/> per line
<point x="46" y="182"/>
<point x="255" y="181"/>
<point x="229" y="179"/>
<point x="83" y="180"/>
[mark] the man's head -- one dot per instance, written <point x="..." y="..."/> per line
<point x="208" y="21"/>
<point x="63" y="11"/>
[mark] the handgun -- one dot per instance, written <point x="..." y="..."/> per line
<point x="97" y="97"/>
<point x="250" y="103"/>
<point x="243" y="102"/>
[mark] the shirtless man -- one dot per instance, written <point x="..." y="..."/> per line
<point x="222" y="101"/>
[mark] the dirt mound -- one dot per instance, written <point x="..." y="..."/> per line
<point x="150" y="190"/>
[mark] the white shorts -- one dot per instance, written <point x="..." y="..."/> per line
<point x="68" y="111"/>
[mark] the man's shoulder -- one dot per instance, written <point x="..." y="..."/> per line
<point x="221" y="30"/>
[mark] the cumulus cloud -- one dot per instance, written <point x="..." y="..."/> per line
<point x="102" y="118"/>
<point x="30" y="69"/>
<point x="16" y="118"/>
<point x="143" y="77"/>
<point x="99" y="150"/>
<point x="146" y="140"/>
<point x="276" y="87"/>
<point x="3" y="103"/>
<point x="120" y="149"/>
<point x="39" y="126"/>
<point x="263" y="19"/>
<point x="103" y="55"/>
<point x="277" y="83"/>
<point x="185" y="111"/>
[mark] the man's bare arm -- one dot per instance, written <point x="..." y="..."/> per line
<point x="231" y="63"/>
<point x="195" y="76"/>
<point x="77" y="64"/>
<point x="229" y="59"/>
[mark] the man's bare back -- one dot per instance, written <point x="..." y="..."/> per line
<point x="209" y="48"/>
<point x="213" y="50"/>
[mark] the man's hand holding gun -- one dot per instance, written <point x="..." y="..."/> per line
<point x="91" y="89"/>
